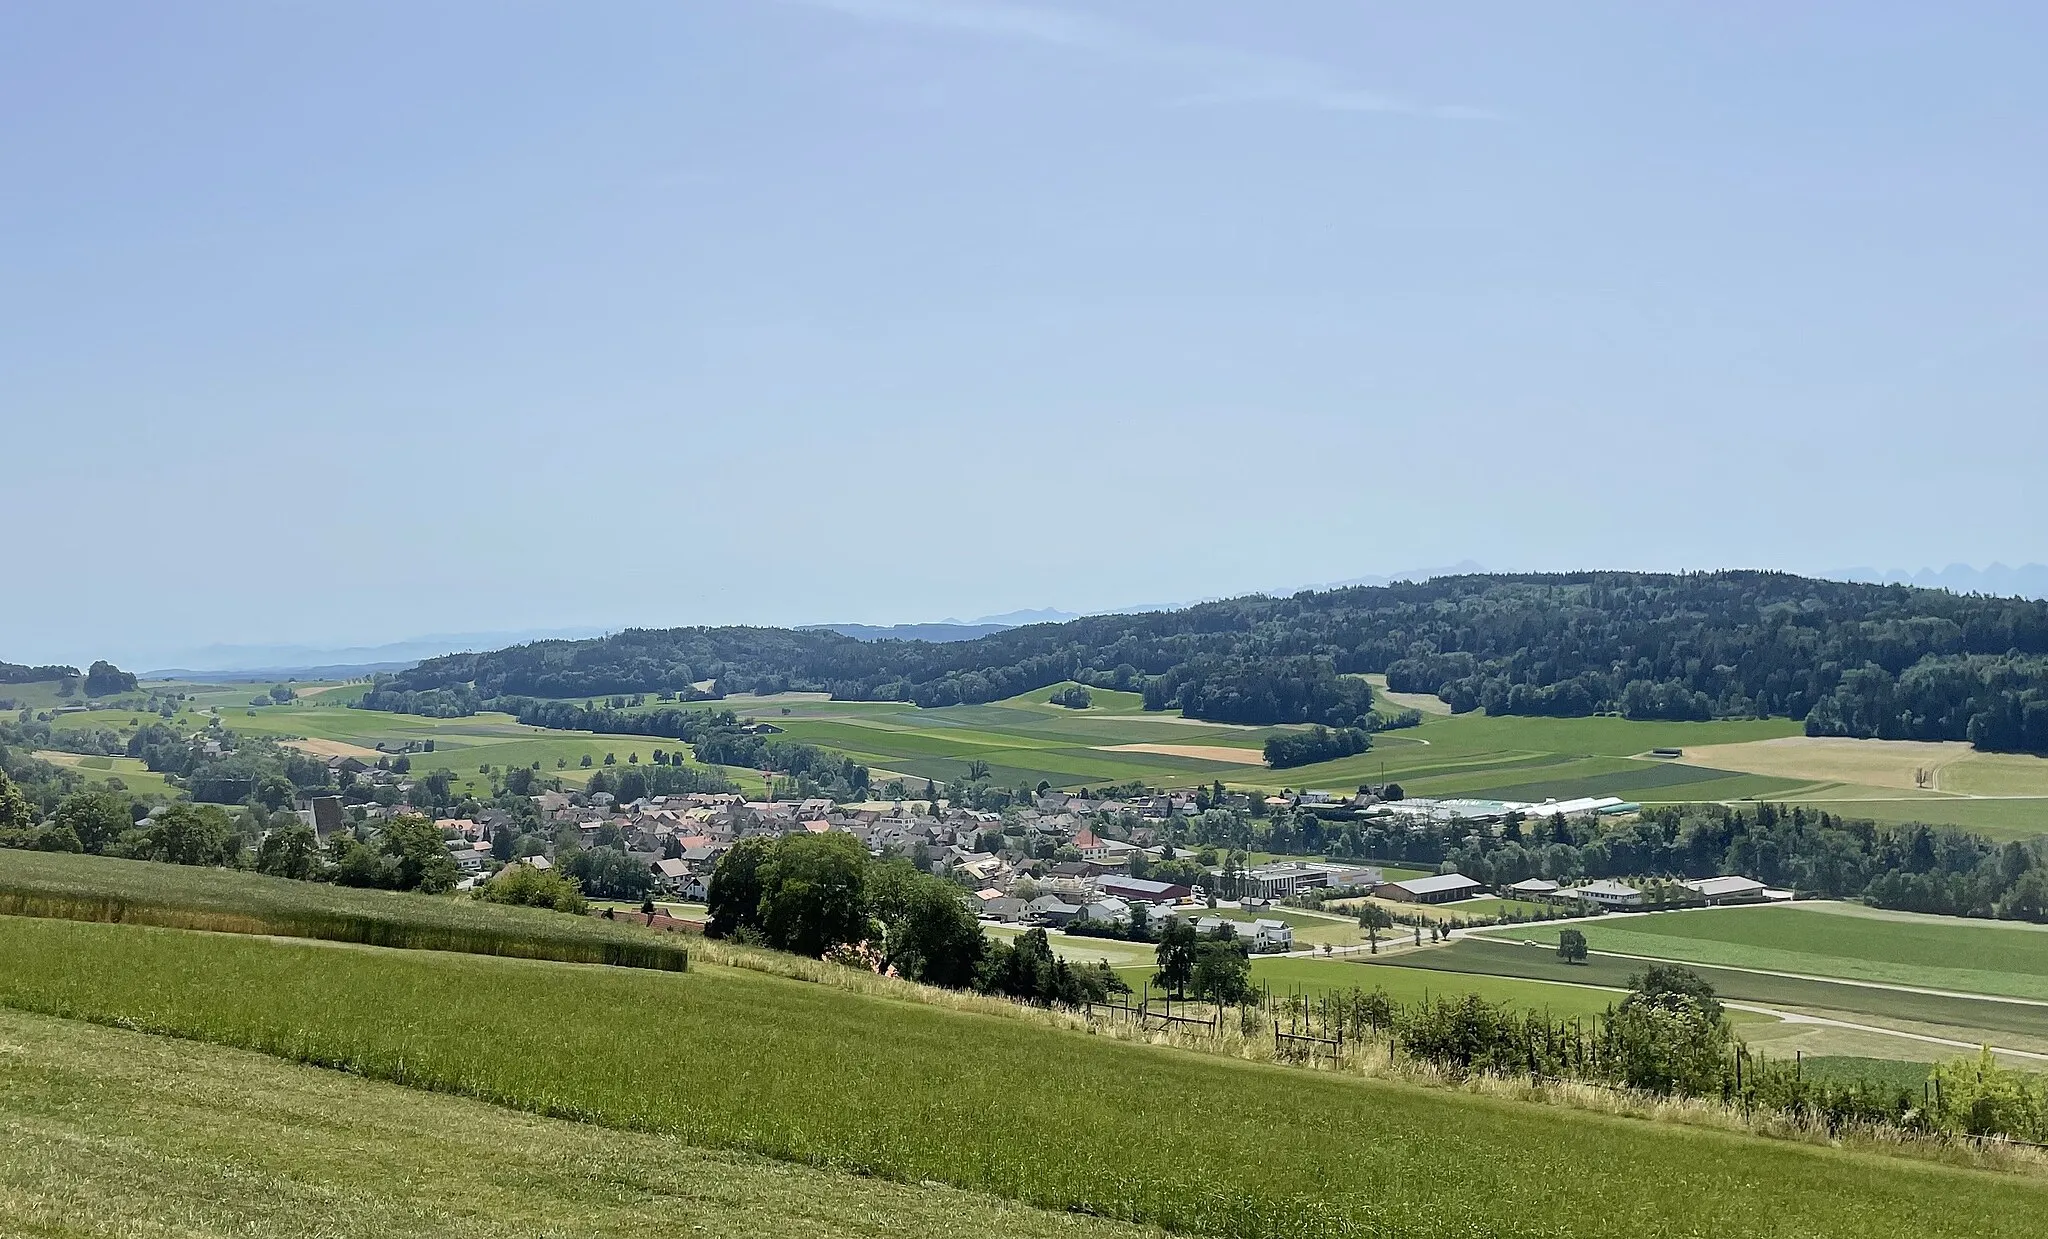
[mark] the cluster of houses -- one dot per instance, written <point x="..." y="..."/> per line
<point x="1046" y="866"/>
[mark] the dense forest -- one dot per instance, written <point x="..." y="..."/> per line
<point x="16" y="673"/>
<point x="1849" y="659"/>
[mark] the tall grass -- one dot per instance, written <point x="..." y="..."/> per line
<point x="818" y="1075"/>
<point x="95" y="888"/>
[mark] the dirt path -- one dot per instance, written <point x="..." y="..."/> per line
<point x="333" y="748"/>
<point x="1823" y="1021"/>
<point x="1196" y="752"/>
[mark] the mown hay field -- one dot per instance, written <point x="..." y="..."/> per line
<point x="2007" y="958"/>
<point x="1973" y="1020"/>
<point x="811" y="1074"/>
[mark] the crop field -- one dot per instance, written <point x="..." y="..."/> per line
<point x="1969" y="1020"/>
<point x="102" y="888"/>
<point x="205" y="1141"/>
<point x="1842" y="940"/>
<point x="913" y="1093"/>
<point x="1311" y="977"/>
<point x="1997" y="818"/>
<point x="461" y="745"/>
<point x="132" y="774"/>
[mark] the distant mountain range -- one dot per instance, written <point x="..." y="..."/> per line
<point x="335" y="662"/>
<point x="944" y="630"/>
<point x="2025" y="581"/>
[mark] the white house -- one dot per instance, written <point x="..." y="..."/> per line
<point x="1608" y="894"/>
<point x="1258" y="935"/>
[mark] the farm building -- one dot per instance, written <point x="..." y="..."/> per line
<point x="1443" y="888"/>
<point x="1143" y="890"/>
<point x="1256" y="935"/>
<point x="1286" y="878"/>
<point x="1608" y="894"/>
<point x="1052" y="910"/>
<point x="993" y="903"/>
<point x="1103" y="852"/>
<point x="468" y="859"/>
<point x="1108" y="910"/>
<point x="1534" y="888"/>
<point x="324" y="815"/>
<point x="1727" y="889"/>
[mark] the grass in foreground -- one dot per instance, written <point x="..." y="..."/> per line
<point x="1835" y="940"/>
<point x="807" y="1073"/>
<point x="113" y="1133"/>
<point x="100" y="888"/>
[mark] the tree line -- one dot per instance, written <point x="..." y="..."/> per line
<point x="1910" y="867"/>
<point x="18" y="673"/>
<point x="1891" y="659"/>
<point x="1305" y="748"/>
<point x="824" y="896"/>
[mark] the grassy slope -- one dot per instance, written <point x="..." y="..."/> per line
<point x="113" y="1133"/>
<point x="275" y="903"/>
<point x="1836" y="940"/>
<point x="909" y="1093"/>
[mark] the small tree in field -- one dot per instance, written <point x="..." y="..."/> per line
<point x="1372" y="918"/>
<point x="1571" y="946"/>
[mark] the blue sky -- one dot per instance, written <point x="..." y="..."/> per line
<point x="345" y="322"/>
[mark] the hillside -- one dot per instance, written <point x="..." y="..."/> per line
<point x="923" y="1095"/>
<point x="1848" y="659"/>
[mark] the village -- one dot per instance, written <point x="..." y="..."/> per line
<point x="1094" y="865"/>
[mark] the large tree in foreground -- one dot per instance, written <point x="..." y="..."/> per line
<point x="814" y="894"/>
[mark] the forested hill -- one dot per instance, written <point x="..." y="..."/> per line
<point x="1850" y="659"/>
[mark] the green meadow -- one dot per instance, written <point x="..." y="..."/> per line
<point x="1312" y="977"/>
<point x="130" y="772"/>
<point x="1839" y="940"/>
<point x="103" y="888"/>
<point x="1968" y="1020"/>
<point x="910" y="1093"/>
<point x="461" y="745"/>
<point x="201" y="1141"/>
<point x="1027" y="740"/>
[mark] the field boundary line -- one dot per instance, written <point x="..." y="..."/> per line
<point x="1806" y="976"/>
<point x="1797" y="1017"/>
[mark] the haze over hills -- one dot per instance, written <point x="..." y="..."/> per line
<point x="1998" y="580"/>
<point x="258" y="661"/>
<point x="280" y="659"/>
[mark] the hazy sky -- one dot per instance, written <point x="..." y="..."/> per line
<point x="339" y="321"/>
